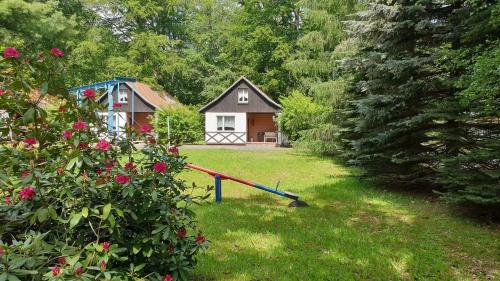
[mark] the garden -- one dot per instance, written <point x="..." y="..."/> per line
<point x="390" y="111"/>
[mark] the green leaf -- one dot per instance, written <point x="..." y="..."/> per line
<point x="44" y="88"/>
<point x="85" y="212"/>
<point x="52" y="213"/>
<point x="136" y="249"/>
<point x="71" y="163"/>
<point x="13" y="278"/>
<point x="29" y="115"/>
<point x="75" y="219"/>
<point x="42" y="214"/>
<point x="3" y="276"/>
<point x="105" y="211"/>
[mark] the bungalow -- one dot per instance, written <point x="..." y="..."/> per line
<point x="133" y="103"/>
<point x="241" y="114"/>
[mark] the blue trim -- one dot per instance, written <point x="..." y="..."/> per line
<point x="218" y="189"/>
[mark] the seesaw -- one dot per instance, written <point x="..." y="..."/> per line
<point x="220" y="176"/>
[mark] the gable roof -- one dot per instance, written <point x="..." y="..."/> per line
<point x="228" y="90"/>
<point x="157" y="99"/>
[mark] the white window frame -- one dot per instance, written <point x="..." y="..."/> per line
<point x="243" y="93"/>
<point x="223" y="119"/>
<point x="122" y="94"/>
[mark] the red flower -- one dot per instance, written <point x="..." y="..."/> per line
<point x="61" y="260"/>
<point x="98" y="171"/>
<point x="105" y="246"/>
<point x="160" y="167"/>
<point x="56" y="271"/>
<point x="109" y="167"/>
<point x="103" y="265"/>
<point x="103" y="145"/>
<point x="11" y="53"/>
<point x="83" y="145"/>
<point x="79" y="125"/>
<point x="8" y="200"/>
<point x="146" y="128"/>
<point x="62" y="109"/>
<point x="122" y="179"/>
<point x="25" y="174"/>
<point x="78" y="271"/>
<point x="200" y="239"/>
<point x="30" y="141"/>
<point x="2" y="92"/>
<point x="89" y="94"/>
<point x="2" y="250"/>
<point x="151" y="140"/>
<point x="28" y="193"/>
<point x="117" y="105"/>
<point x="174" y="150"/>
<point x="67" y="134"/>
<point x="129" y="166"/>
<point x="56" y="52"/>
<point x="167" y="277"/>
<point x="181" y="233"/>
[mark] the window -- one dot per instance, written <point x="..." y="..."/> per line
<point x="122" y="96"/>
<point x="242" y="95"/>
<point x="225" y="123"/>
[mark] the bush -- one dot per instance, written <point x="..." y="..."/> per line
<point x="186" y="125"/>
<point x="298" y="114"/>
<point x="71" y="209"/>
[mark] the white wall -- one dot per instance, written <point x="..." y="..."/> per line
<point x="240" y="130"/>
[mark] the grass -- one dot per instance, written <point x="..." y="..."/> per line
<point x="351" y="231"/>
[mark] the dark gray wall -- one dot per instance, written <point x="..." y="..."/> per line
<point x="229" y="103"/>
<point x="140" y="105"/>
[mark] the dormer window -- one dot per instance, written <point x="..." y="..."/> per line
<point x="243" y="95"/>
<point x="122" y="96"/>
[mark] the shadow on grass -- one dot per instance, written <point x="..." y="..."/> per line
<point x="343" y="235"/>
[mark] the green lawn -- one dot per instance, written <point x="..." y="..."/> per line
<point x="351" y="231"/>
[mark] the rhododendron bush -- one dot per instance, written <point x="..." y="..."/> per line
<point x="77" y="204"/>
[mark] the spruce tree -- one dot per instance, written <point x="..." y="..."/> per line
<point x="396" y="84"/>
<point x="471" y="173"/>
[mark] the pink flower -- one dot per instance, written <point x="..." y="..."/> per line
<point x="167" y="277"/>
<point x="174" y="150"/>
<point x="79" y="125"/>
<point x="160" y="167"/>
<point x="117" y="105"/>
<point x="83" y="145"/>
<point x="56" y="271"/>
<point x="67" y="134"/>
<point x="61" y="260"/>
<point x="103" y="265"/>
<point x="11" y="53"/>
<point x="28" y="193"/>
<point x="2" y="92"/>
<point x="78" y="271"/>
<point x="146" y="128"/>
<point x="129" y="166"/>
<point x="8" y="200"/>
<point x="181" y="233"/>
<point x="89" y="94"/>
<point x="103" y="145"/>
<point x="105" y="246"/>
<point x="122" y="179"/>
<point x="56" y="52"/>
<point x="25" y="174"/>
<point x="30" y="141"/>
<point x="200" y="239"/>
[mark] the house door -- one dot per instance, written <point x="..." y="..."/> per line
<point x="119" y="122"/>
